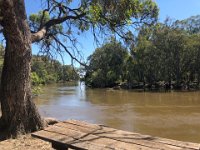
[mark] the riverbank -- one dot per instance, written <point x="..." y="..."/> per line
<point x="25" y="142"/>
<point x="158" y="87"/>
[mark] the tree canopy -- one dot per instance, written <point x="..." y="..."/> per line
<point x="60" y="22"/>
<point x="162" y="56"/>
<point x="191" y="24"/>
<point x="106" y="65"/>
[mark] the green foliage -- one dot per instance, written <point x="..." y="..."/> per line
<point x="168" y="55"/>
<point x="106" y="65"/>
<point x="191" y="24"/>
<point x="36" y="20"/>
<point x="35" y="79"/>
<point x="36" y="90"/>
<point x="63" y="21"/>
<point x="45" y="70"/>
<point x="162" y="56"/>
<point x="124" y="12"/>
<point x="68" y="73"/>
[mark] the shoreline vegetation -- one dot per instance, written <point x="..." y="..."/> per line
<point x="45" y="70"/>
<point x="146" y="88"/>
<point x="161" y="57"/>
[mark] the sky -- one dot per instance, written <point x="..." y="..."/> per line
<point x="178" y="9"/>
<point x="175" y="9"/>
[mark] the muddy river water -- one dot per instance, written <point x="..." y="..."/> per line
<point x="174" y="115"/>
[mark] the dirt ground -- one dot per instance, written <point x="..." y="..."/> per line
<point x="25" y="142"/>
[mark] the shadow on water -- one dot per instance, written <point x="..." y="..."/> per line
<point x="174" y="115"/>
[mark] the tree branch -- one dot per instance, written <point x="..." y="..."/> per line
<point x="36" y="37"/>
<point x="65" y="48"/>
<point x="1" y="29"/>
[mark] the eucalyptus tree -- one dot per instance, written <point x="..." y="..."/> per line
<point x="146" y="56"/>
<point x="57" y="25"/>
<point x="165" y="53"/>
<point x="193" y="48"/>
<point x="106" y="65"/>
<point x="191" y="24"/>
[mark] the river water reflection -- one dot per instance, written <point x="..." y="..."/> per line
<point x="174" y="115"/>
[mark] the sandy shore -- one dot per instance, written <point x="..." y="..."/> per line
<point x="25" y="142"/>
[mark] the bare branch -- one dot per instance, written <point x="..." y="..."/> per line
<point x="68" y="52"/>
<point x="42" y="18"/>
<point x="36" y="37"/>
<point x="1" y="29"/>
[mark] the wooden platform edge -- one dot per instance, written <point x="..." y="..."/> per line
<point x="58" y="143"/>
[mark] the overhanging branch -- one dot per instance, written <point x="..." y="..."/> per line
<point x="36" y="37"/>
<point x="68" y="52"/>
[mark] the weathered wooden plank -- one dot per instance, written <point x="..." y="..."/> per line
<point x="77" y="136"/>
<point x="194" y="146"/>
<point x="103" y="129"/>
<point x="90" y="146"/>
<point x="77" y="127"/>
<point x="119" y="136"/>
<point x="52" y="137"/>
<point x="55" y="138"/>
<point x="64" y="131"/>
<point x="129" y="136"/>
<point x="111" y="133"/>
<point x="100" y="141"/>
<point x="83" y="123"/>
<point x="80" y="125"/>
<point x="114" y="144"/>
<point x="66" y="141"/>
<point x="83" y="135"/>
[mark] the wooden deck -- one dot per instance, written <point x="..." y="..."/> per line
<point x="82" y="135"/>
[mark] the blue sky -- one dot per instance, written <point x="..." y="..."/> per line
<point x="175" y="9"/>
<point x="178" y="9"/>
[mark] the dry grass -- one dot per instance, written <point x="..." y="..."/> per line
<point x="25" y="142"/>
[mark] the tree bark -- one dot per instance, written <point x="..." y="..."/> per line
<point x="19" y="114"/>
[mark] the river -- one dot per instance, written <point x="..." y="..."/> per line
<point x="174" y="115"/>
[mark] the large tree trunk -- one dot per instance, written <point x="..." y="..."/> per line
<point x="19" y="114"/>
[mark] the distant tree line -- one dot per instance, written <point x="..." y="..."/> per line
<point x="166" y="56"/>
<point x="106" y="65"/>
<point x="45" y="70"/>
